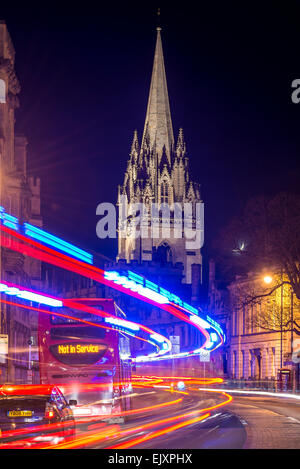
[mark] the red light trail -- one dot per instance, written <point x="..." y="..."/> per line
<point x="113" y="431"/>
<point x="34" y="249"/>
<point x="29" y="247"/>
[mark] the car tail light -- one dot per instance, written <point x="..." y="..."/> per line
<point x="49" y="412"/>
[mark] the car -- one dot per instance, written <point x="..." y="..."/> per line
<point x="33" y="415"/>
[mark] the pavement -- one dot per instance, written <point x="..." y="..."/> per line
<point x="269" y="422"/>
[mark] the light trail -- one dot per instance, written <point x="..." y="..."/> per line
<point x="76" y="305"/>
<point x="30" y="247"/>
<point x="193" y="417"/>
<point x="65" y="425"/>
<point x="183" y="378"/>
<point x="53" y="257"/>
<point x="96" y="438"/>
<point x="258" y="393"/>
<point x="114" y="432"/>
<point x="158" y="433"/>
<point x="13" y="239"/>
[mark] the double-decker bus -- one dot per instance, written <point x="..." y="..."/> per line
<point x="81" y="354"/>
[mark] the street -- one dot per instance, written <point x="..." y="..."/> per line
<point x="248" y="422"/>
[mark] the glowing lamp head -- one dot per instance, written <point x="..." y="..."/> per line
<point x="268" y="279"/>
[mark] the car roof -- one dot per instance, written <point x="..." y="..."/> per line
<point x="26" y="389"/>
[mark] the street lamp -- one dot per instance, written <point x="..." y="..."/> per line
<point x="268" y="279"/>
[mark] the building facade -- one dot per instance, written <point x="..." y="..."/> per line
<point x="262" y="331"/>
<point x="218" y="306"/>
<point x="20" y="196"/>
<point x="262" y="340"/>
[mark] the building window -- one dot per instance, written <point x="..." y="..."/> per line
<point x="259" y="318"/>
<point x="267" y="362"/>
<point x="243" y="364"/>
<point x="273" y="362"/>
<point x="234" y="365"/>
<point x="183" y="336"/>
<point x="251" y="365"/>
<point x="164" y="193"/>
<point x="236" y="323"/>
<point x="245" y="319"/>
<point x="2" y="92"/>
<point x="235" y="330"/>
<point x="163" y="254"/>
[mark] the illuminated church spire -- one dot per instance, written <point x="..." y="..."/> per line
<point x="158" y="123"/>
<point x="157" y="173"/>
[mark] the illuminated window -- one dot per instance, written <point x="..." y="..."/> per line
<point x="2" y="91"/>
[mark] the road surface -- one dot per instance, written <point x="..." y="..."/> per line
<point x="269" y="422"/>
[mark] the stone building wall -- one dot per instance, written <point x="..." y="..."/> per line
<point x="20" y="197"/>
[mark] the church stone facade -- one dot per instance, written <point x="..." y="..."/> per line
<point x="158" y="173"/>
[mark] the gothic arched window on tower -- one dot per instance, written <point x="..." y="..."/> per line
<point x="147" y="203"/>
<point x="163" y="254"/>
<point x="2" y="91"/>
<point x="164" y="192"/>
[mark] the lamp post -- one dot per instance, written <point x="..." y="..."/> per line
<point x="281" y="331"/>
<point x="292" y="339"/>
<point x="292" y="319"/>
<point x="268" y="279"/>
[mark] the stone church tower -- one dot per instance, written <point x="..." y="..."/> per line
<point x="158" y="173"/>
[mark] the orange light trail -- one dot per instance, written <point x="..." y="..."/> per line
<point x="97" y="437"/>
<point x="61" y="425"/>
<point x="94" y="437"/>
<point x="158" y="433"/>
<point x="41" y="252"/>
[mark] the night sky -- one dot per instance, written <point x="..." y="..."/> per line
<point x="85" y="76"/>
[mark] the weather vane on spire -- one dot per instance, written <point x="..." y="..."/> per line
<point x="158" y="20"/>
